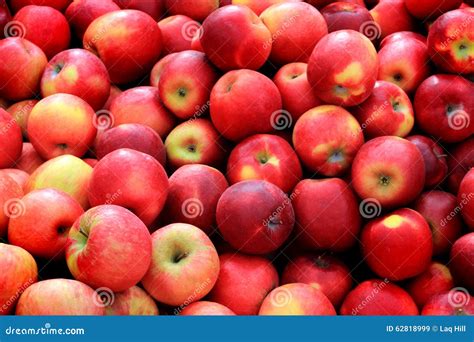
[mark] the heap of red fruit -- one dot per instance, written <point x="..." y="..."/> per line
<point x="247" y="157"/>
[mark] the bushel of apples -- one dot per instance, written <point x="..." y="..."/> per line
<point x="236" y="157"/>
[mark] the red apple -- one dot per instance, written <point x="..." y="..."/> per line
<point x="108" y="246"/>
<point x="439" y="210"/>
<point x="349" y="79"/>
<point x="21" y="68"/>
<point x="193" y="194"/>
<point x="400" y="36"/>
<point x="51" y="38"/>
<point x="5" y="17"/>
<point x="461" y="264"/>
<point x="77" y="72"/>
<point x="19" y="176"/>
<point x="186" y="82"/>
<point x="30" y="160"/>
<point x="378" y="298"/>
<point x="178" y="32"/>
<point x="204" y="308"/>
<point x="296" y="299"/>
<point x="350" y="16"/>
<point x="235" y="38"/>
<point x="195" y="142"/>
<point x="425" y="9"/>
<point x="237" y="113"/>
<point x="198" y="10"/>
<point x="133" y="136"/>
<point x="57" y="297"/>
<point x="466" y="198"/>
<point x="114" y="93"/>
<point x="452" y="303"/>
<point x="238" y="274"/>
<point x="399" y="245"/>
<point x="10" y="203"/>
<point x="322" y="272"/>
<point x="127" y="41"/>
<point x="451" y="41"/>
<point x="460" y="161"/>
<point x="19" y="271"/>
<point x="389" y="171"/>
<point x="130" y="179"/>
<point x="60" y="5"/>
<point x="184" y="266"/>
<point x="132" y="302"/>
<point x="21" y="112"/>
<point x="255" y="216"/>
<point x="296" y="93"/>
<point x="11" y="142"/>
<point x="319" y="4"/>
<point x="155" y="8"/>
<point x="61" y="124"/>
<point x="404" y="61"/>
<point x="388" y="111"/>
<point x="327" y="214"/>
<point x="266" y="157"/>
<point x="43" y="228"/>
<point x="81" y="13"/>
<point x="443" y="106"/>
<point x="392" y="16"/>
<point x="142" y="105"/>
<point x="332" y="150"/>
<point x="296" y="27"/>
<point x="434" y="281"/>
<point x="436" y="166"/>
<point x="67" y="173"/>
<point x="158" y="68"/>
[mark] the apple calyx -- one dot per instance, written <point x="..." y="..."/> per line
<point x="321" y="263"/>
<point x="384" y="180"/>
<point x="180" y="256"/>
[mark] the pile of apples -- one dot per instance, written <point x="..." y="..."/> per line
<point x="248" y="157"/>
